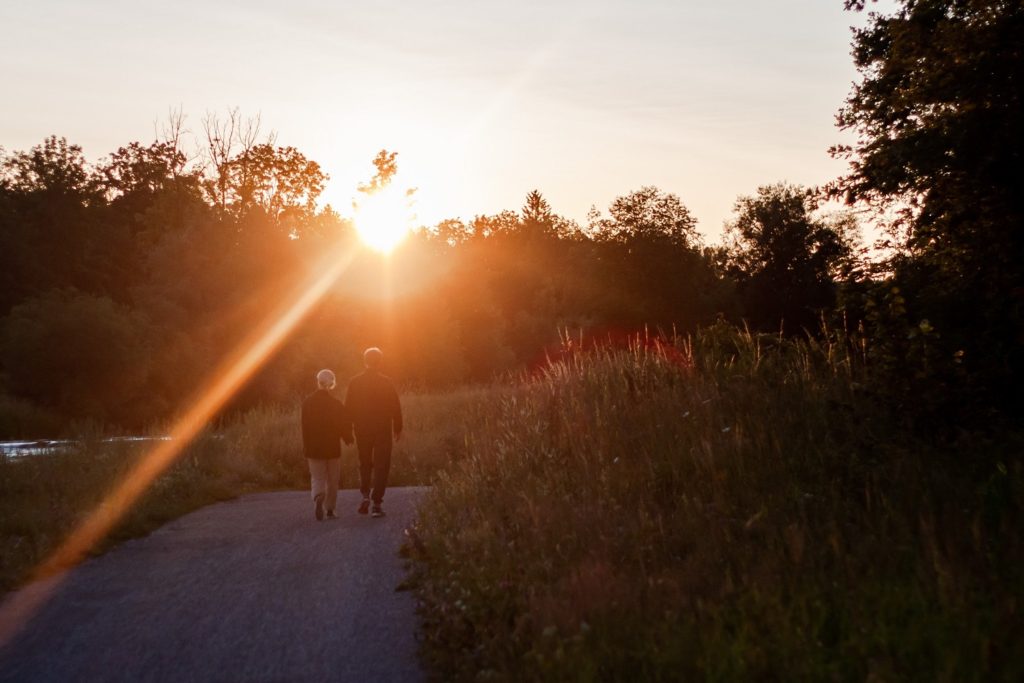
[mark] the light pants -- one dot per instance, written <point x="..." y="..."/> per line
<point x="324" y="475"/>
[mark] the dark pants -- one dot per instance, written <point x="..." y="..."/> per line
<point x="374" y="464"/>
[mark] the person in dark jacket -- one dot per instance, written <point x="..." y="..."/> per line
<point x="376" y="414"/>
<point x="325" y="425"/>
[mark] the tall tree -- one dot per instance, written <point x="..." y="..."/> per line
<point x="648" y="214"/>
<point x="279" y="181"/>
<point x="385" y="166"/>
<point x="49" y="232"/>
<point x="651" y="267"/>
<point x="228" y="139"/>
<point x="937" y="113"/>
<point x="538" y="219"/>
<point x="134" y="169"/>
<point x="786" y="260"/>
<point x="55" y="166"/>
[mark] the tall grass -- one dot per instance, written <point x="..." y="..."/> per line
<point x="730" y="507"/>
<point x="42" y="498"/>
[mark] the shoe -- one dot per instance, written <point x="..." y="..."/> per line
<point x="319" y="511"/>
<point x="377" y="512"/>
<point x="364" y="507"/>
<point x="331" y="515"/>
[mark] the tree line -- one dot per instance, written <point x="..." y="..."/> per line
<point x="125" y="280"/>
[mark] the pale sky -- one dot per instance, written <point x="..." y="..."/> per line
<point x="483" y="100"/>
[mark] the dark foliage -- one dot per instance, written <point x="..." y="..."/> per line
<point x="786" y="261"/>
<point x="938" y="114"/>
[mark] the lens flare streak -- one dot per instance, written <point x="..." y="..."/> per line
<point x="232" y="374"/>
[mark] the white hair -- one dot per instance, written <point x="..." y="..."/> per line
<point x="372" y="357"/>
<point x="325" y="379"/>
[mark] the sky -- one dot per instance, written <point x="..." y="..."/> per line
<point x="483" y="100"/>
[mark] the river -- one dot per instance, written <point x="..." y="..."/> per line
<point x="21" y="449"/>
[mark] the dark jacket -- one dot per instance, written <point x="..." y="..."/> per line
<point x="372" y="405"/>
<point x="324" y="424"/>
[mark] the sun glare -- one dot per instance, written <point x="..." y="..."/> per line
<point x="237" y="368"/>
<point x="384" y="218"/>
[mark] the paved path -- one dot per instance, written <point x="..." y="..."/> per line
<point x="249" y="590"/>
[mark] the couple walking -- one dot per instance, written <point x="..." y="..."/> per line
<point x="372" y="411"/>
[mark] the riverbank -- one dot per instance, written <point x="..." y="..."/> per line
<point x="27" y="449"/>
<point x="43" y="497"/>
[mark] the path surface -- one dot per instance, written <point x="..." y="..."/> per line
<point x="249" y="590"/>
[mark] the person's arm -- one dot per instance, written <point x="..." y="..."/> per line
<point x="307" y="429"/>
<point x="396" y="414"/>
<point x="351" y="401"/>
<point x="345" y="424"/>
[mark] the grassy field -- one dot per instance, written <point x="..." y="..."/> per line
<point x="723" y="508"/>
<point x="42" y="498"/>
<point x="727" y="507"/>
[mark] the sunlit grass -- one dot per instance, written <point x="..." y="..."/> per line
<point x="731" y="508"/>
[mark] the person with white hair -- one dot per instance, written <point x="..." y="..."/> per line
<point x="376" y="413"/>
<point x="325" y="425"/>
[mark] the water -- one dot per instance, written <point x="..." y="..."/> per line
<point x="22" y="449"/>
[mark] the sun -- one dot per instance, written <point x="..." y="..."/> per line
<point x="383" y="218"/>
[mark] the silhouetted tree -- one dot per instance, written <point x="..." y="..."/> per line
<point x="647" y="214"/>
<point x="651" y="267"/>
<point x="538" y="220"/>
<point x="386" y="166"/>
<point x="785" y="260"/>
<point x="451" y="232"/>
<point x="227" y="140"/>
<point x="146" y="188"/>
<point x="51" y="233"/>
<point x="55" y="167"/>
<point x="504" y="223"/>
<point x="135" y="170"/>
<point x="280" y="182"/>
<point x="937" y="114"/>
